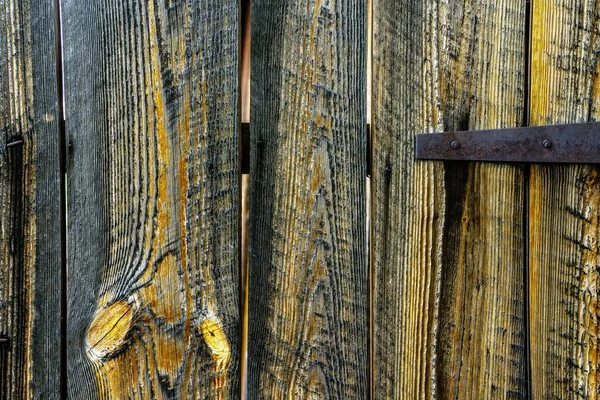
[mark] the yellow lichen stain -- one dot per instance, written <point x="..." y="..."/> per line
<point x="163" y="145"/>
<point x="217" y="343"/>
<point x="162" y="216"/>
<point x="162" y="295"/>
<point x="591" y="180"/>
<point x="316" y="383"/>
<point x="108" y="331"/>
<point x="182" y="204"/>
<point x="169" y="353"/>
<point x="586" y="355"/>
<point x="318" y="175"/>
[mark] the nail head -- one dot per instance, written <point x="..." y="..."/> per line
<point x="4" y="341"/>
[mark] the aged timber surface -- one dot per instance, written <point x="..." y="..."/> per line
<point x="151" y="91"/>
<point x="448" y="240"/>
<point x="565" y="206"/>
<point x="308" y="271"/>
<point x="30" y="203"/>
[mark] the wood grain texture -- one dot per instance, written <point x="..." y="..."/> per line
<point x="30" y="197"/>
<point x="308" y="270"/>
<point x="448" y="240"/>
<point x="565" y="206"/>
<point x="151" y="91"/>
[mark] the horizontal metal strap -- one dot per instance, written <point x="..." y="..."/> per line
<point x="571" y="144"/>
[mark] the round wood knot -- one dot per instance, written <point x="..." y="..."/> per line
<point x="217" y="343"/>
<point x="108" y="331"/>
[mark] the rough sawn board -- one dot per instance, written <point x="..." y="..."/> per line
<point x="308" y="268"/>
<point x="151" y="91"/>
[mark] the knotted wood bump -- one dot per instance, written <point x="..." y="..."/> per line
<point x="108" y="331"/>
<point x="217" y="342"/>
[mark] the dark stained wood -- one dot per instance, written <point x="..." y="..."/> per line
<point x="308" y="270"/>
<point x="152" y="112"/>
<point x="448" y="240"/>
<point x="30" y="268"/>
<point x="565" y="206"/>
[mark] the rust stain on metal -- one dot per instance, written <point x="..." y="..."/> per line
<point x="572" y="144"/>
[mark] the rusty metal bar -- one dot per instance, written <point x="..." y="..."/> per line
<point x="565" y="144"/>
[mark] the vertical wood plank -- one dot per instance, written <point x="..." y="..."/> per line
<point x="151" y="91"/>
<point x="448" y="240"/>
<point x="308" y="270"/>
<point x="30" y="255"/>
<point x="565" y="206"/>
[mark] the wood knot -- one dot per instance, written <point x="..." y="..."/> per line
<point x="217" y="343"/>
<point x="108" y="331"/>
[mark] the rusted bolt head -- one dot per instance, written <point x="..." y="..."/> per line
<point x="455" y="145"/>
<point x="547" y="144"/>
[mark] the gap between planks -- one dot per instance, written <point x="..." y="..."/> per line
<point x="62" y="149"/>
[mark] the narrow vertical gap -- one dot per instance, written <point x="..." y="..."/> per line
<point x="526" y="197"/>
<point x="527" y="60"/>
<point x="16" y="248"/>
<point x="369" y="204"/>
<point x="244" y="62"/>
<point x="63" y="200"/>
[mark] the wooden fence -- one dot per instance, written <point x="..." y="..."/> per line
<point x="120" y="194"/>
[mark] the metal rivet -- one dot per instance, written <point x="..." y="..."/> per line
<point x="455" y="145"/>
<point x="547" y="144"/>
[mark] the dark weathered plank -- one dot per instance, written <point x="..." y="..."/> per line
<point x="447" y="239"/>
<point x="30" y="265"/>
<point x="151" y="93"/>
<point x="565" y="206"/>
<point x="308" y="270"/>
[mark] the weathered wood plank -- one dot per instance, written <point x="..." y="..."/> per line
<point x="565" y="206"/>
<point x="448" y="240"/>
<point x="152" y="111"/>
<point x="308" y="271"/>
<point x="30" y="259"/>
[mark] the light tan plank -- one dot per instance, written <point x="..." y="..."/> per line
<point x="448" y="262"/>
<point x="565" y="206"/>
